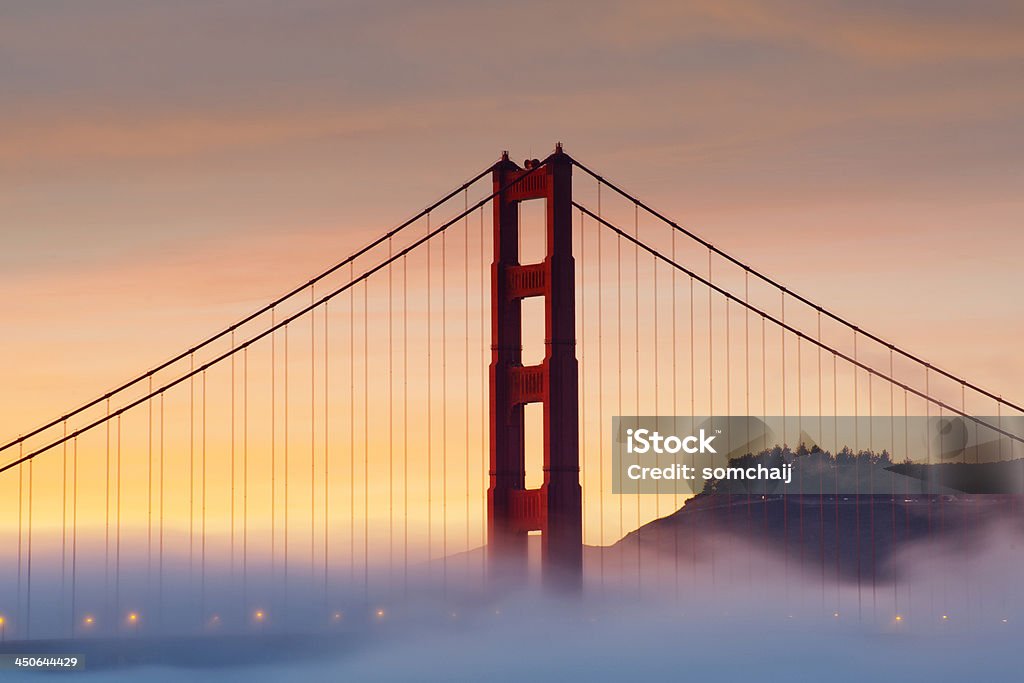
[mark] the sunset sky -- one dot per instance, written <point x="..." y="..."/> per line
<point x="166" y="168"/>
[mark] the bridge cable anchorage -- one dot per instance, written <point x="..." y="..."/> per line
<point x="252" y="316"/>
<point x="788" y="328"/>
<point x="193" y="371"/>
<point x="770" y="281"/>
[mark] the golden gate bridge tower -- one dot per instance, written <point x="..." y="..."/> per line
<point x="554" y="509"/>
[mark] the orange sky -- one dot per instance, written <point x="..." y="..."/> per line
<point x="169" y="169"/>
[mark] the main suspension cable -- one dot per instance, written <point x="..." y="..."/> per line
<point x="252" y="316"/>
<point x="788" y="328"/>
<point x="267" y="332"/>
<point x="798" y="297"/>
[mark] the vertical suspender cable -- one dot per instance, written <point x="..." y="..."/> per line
<point x="821" y="481"/>
<point x="160" y="546"/>
<point x="21" y="528"/>
<point x="444" y="412"/>
<point x="286" y="473"/>
<point x="391" y="425"/>
<point x="273" y="449"/>
<point x="711" y="390"/>
<point x="835" y="420"/>
<point x="149" y="490"/>
<point x="693" y="418"/>
<point x="64" y="520"/>
<point x="892" y="450"/>
<point x="106" y="523"/>
<point x="636" y="360"/>
<point x="202" y="580"/>
<point x="233" y="477"/>
<point x="405" y="426"/>
<point x="245" y="477"/>
<point x="465" y="312"/>
<point x="483" y="399"/>
<point x="28" y="568"/>
<point x="74" y="536"/>
<point x="352" y="428"/>
<point x="785" y="444"/>
<point x="366" y="442"/>
<point x="312" y="436"/>
<point x="430" y="413"/>
<point x="117" y="527"/>
<point x="618" y="386"/>
<point x="800" y="435"/>
<point x="675" y="412"/>
<point x="327" y="453"/>
<point x="856" y="455"/>
<point x="654" y="303"/>
<point x="600" y="386"/>
<point x="583" y="376"/>
<point x="191" y="466"/>
<point x="746" y="410"/>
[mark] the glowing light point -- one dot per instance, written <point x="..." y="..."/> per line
<point x="899" y="618"/>
<point x="133" y="617"/>
<point x="89" y="620"/>
<point x="380" y="613"/>
<point x="4" y="621"/>
<point x="945" y="617"/>
<point x="259" y="615"/>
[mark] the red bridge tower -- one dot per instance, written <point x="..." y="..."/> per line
<point x="555" y="509"/>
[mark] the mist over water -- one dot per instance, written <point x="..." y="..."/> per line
<point x="950" y="609"/>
